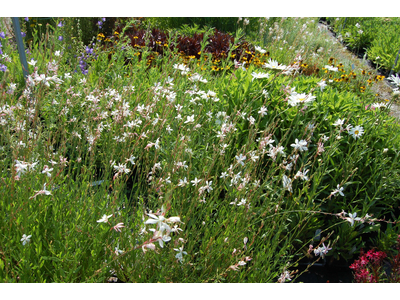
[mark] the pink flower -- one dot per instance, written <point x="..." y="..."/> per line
<point x="118" y="227"/>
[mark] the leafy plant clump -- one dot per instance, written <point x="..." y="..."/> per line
<point x="141" y="159"/>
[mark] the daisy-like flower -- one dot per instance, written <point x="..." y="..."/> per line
<point x="273" y="64"/>
<point x="259" y="49"/>
<point x="379" y="105"/>
<point x="330" y="68"/>
<point x="295" y="98"/>
<point x="25" y="239"/>
<point x="182" y="182"/>
<point x="259" y="75"/>
<point x="395" y="79"/>
<point x="104" y="219"/>
<point x="356" y="131"/>
<point x="300" y="145"/>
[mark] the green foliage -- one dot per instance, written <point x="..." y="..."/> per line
<point x="379" y="38"/>
<point x="156" y="137"/>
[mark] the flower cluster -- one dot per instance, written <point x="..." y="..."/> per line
<point x="161" y="233"/>
<point x="88" y="55"/>
<point x="368" y="267"/>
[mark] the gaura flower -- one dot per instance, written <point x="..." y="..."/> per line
<point x="104" y="219"/>
<point x="180" y="253"/>
<point x="118" y="227"/>
<point x="25" y="239"/>
<point x="352" y="217"/>
<point x="300" y="145"/>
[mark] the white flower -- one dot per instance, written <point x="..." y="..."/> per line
<point x="322" y="84"/>
<point x="379" y="105"/>
<point x="131" y="159"/>
<point x="242" y="202"/>
<point x="121" y="168"/>
<point x="180" y="253"/>
<point x="357" y="131"/>
<point x="223" y="175"/>
<point x="302" y="175"/>
<point x="330" y="68"/>
<point x="322" y="250"/>
<point x="263" y="111"/>
<point x="182" y="182"/>
<point x="118" y="251"/>
<point x="195" y="181"/>
<point x="295" y="98"/>
<point x="259" y="49"/>
<point x="300" y="145"/>
<point x="273" y="64"/>
<point x="352" y="218"/>
<point x="57" y="53"/>
<point x="284" y="276"/>
<point x="358" y="25"/>
<point x="240" y="159"/>
<point x="190" y="119"/>
<point x="360" y="31"/>
<point x="338" y="190"/>
<point x="253" y="156"/>
<point x="25" y="239"/>
<point x="395" y="79"/>
<point x="287" y="183"/>
<point x="339" y="122"/>
<point x="32" y="62"/>
<point x="47" y="170"/>
<point x="104" y="219"/>
<point x="259" y="75"/>
<point x="184" y="70"/>
<point x="246" y="21"/>
<point x="197" y="77"/>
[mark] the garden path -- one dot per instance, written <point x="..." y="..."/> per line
<point x="383" y="88"/>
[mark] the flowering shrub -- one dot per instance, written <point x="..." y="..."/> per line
<point x="168" y="171"/>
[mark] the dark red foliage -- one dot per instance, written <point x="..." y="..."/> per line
<point x="219" y="44"/>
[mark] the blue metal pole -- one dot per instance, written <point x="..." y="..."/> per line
<point x="20" y="44"/>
